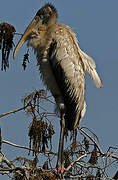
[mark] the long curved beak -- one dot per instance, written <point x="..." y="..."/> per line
<point x="25" y="36"/>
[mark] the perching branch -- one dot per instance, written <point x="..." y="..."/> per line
<point x="78" y="159"/>
<point x="81" y="130"/>
<point x="14" y="111"/>
<point x="27" y="148"/>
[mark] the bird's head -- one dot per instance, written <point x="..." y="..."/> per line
<point x="45" y="17"/>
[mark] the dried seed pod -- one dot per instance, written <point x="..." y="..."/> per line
<point x="94" y="157"/>
<point x="6" y="43"/>
<point x="35" y="161"/>
<point x="45" y="165"/>
<point x="50" y="131"/>
<point x="25" y="60"/>
<point x="67" y="160"/>
<point x="86" y="143"/>
<point x="40" y="135"/>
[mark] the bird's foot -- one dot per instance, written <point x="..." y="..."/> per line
<point x="60" y="170"/>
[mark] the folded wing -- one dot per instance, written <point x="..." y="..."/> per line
<point x="69" y="75"/>
<point x="90" y="67"/>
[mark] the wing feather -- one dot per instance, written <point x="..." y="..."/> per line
<point x="88" y="62"/>
<point x="68" y="63"/>
<point x="90" y="67"/>
<point x="69" y="76"/>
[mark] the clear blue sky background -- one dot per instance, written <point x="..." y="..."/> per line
<point x="96" y="26"/>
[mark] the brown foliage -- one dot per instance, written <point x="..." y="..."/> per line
<point x="6" y="42"/>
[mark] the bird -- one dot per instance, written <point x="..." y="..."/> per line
<point x="62" y="67"/>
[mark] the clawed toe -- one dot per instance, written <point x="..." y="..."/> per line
<point x="60" y="170"/>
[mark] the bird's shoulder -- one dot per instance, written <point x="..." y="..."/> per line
<point x="61" y="32"/>
<point x="64" y="41"/>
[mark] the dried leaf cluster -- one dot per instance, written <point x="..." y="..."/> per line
<point x="25" y="60"/>
<point x="6" y="43"/>
<point x="40" y="134"/>
<point x="41" y="130"/>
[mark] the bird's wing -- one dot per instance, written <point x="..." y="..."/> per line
<point x="68" y="71"/>
<point x="90" y="67"/>
<point x="89" y="64"/>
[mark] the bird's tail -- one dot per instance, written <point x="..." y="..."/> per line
<point x="73" y="119"/>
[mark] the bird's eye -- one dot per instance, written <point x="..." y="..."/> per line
<point x="41" y="16"/>
<point x="37" y="18"/>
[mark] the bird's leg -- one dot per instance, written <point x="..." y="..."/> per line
<point x="59" y="165"/>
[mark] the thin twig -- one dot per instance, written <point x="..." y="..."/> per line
<point x="78" y="159"/>
<point x="18" y="34"/>
<point x="14" y="111"/>
<point x="27" y="148"/>
<point x="16" y="145"/>
<point x="100" y="151"/>
<point x="5" y="160"/>
<point x="49" y="100"/>
<point x="111" y="155"/>
<point x="76" y="176"/>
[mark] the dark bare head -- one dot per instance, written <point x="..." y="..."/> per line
<point x="45" y="17"/>
<point x="47" y="14"/>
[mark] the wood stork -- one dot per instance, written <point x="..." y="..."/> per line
<point x="62" y="66"/>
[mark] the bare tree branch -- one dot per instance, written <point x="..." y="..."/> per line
<point x="100" y="150"/>
<point x="27" y="148"/>
<point x="78" y="159"/>
<point x="14" y="111"/>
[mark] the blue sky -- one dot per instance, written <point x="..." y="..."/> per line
<point x="96" y="26"/>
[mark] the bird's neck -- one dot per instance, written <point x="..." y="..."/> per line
<point x="40" y="38"/>
<point x="52" y="20"/>
<point x="37" y="39"/>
